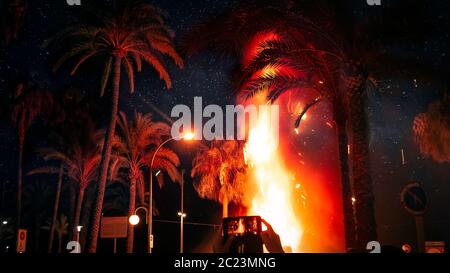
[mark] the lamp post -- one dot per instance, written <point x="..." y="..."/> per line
<point x="78" y="234"/>
<point x="186" y="136"/>
<point x="134" y="219"/>
<point x="181" y="213"/>
<point x="182" y="216"/>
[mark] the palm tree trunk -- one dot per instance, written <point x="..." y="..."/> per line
<point x="19" y="175"/>
<point x="72" y="205"/>
<point x="59" y="242"/>
<point x="86" y="215"/>
<point x="131" y="208"/>
<point x="225" y="206"/>
<point x="349" y="220"/>
<point x="55" y="209"/>
<point x="362" y="183"/>
<point x="76" y="221"/>
<point x="106" y="156"/>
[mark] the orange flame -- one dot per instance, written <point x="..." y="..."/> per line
<point x="273" y="200"/>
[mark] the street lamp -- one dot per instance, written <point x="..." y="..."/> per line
<point x="186" y="136"/>
<point x="182" y="215"/>
<point x="134" y="219"/>
<point x="78" y="234"/>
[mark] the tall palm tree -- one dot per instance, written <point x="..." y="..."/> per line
<point x="137" y="34"/>
<point x="288" y="63"/>
<point x="270" y="42"/>
<point x="80" y="165"/>
<point x="29" y="101"/>
<point x="363" y="60"/>
<point x="220" y="173"/>
<point x="351" y="58"/>
<point x="130" y="144"/>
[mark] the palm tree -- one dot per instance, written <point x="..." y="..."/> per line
<point x="220" y="173"/>
<point x="61" y="227"/>
<point x="364" y="60"/>
<point x="130" y="144"/>
<point x="431" y="130"/>
<point x="287" y="64"/>
<point x="70" y="114"/>
<point x="55" y="208"/>
<point x="270" y="42"/>
<point x="137" y="34"/>
<point x="29" y="102"/>
<point x="348" y="62"/>
<point x="80" y="165"/>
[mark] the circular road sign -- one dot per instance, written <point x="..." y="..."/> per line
<point x="414" y="199"/>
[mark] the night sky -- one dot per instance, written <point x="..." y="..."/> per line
<point x="392" y="110"/>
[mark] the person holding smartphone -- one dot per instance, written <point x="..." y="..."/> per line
<point x="268" y="237"/>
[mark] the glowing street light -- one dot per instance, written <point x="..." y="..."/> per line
<point x="134" y="220"/>
<point x="5" y="222"/>
<point x="186" y="136"/>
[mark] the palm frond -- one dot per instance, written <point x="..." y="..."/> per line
<point x="305" y="109"/>
<point x="130" y="72"/>
<point x="157" y="65"/>
<point x="105" y="76"/>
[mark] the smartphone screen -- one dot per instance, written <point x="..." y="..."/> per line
<point x="239" y="226"/>
<point x="246" y="233"/>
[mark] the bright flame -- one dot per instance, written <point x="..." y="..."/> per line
<point x="273" y="200"/>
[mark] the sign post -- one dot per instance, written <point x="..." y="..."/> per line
<point x="114" y="227"/>
<point x="414" y="200"/>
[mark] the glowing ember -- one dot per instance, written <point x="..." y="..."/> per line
<point x="273" y="200"/>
